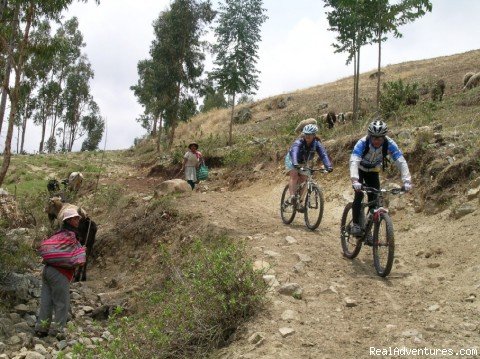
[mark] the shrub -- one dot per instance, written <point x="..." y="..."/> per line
<point x="395" y="95"/>
<point x="14" y="256"/>
<point x="207" y="290"/>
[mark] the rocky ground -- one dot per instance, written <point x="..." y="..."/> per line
<point x="320" y="304"/>
<point x="429" y="300"/>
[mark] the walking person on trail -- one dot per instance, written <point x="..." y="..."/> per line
<point x="368" y="156"/>
<point x="191" y="161"/>
<point x="56" y="278"/>
<point x="300" y="154"/>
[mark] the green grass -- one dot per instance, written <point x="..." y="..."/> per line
<point x="206" y="289"/>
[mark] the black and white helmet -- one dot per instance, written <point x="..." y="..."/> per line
<point x="377" y="128"/>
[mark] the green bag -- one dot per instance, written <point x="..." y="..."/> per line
<point x="202" y="173"/>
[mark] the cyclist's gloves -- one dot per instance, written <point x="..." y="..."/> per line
<point x="357" y="186"/>
<point x="407" y="186"/>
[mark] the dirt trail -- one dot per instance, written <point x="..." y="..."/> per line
<point x="430" y="299"/>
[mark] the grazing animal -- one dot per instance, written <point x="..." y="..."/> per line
<point x="56" y="206"/>
<point x="53" y="186"/>
<point x="467" y="77"/>
<point x="331" y="119"/>
<point x="438" y="90"/>
<point x="303" y="123"/>
<point x="87" y="229"/>
<point x="472" y="82"/>
<point x="74" y="181"/>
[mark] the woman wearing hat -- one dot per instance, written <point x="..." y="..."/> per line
<point x="55" y="292"/>
<point x="191" y="160"/>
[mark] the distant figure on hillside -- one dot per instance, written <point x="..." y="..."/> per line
<point x="192" y="160"/>
<point x="367" y="158"/>
<point x="300" y="154"/>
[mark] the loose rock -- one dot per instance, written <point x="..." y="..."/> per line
<point x="285" y="332"/>
<point x="290" y="315"/>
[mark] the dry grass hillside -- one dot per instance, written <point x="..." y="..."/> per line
<point x="338" y="96"/>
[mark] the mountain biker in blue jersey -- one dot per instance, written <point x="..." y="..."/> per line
<point x="301" y="152"/>
<point x="367" y="158"/>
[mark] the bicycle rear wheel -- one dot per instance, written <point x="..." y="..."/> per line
<point x="314" y="207"/>
<point x="287" y="211"/>
<point x="383" y="245"/>
<point x="350" y="245"/>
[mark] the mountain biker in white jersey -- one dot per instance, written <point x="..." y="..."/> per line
<point x="301" y="152"/>
<point x="365" y="162"/>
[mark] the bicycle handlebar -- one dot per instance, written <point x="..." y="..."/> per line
<point x="322" y="170"/>
<point x="383" y="190"/>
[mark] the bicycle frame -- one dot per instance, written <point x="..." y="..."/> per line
<point x="378" y="206"/>
<point x="309" y="182"/>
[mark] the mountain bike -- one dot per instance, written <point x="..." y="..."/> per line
<point x="377" y="219"/>
<point x="311" y="205"/>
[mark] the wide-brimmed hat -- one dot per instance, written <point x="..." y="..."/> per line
<point x="193" y="144"/>
<point x="69" y="213"/>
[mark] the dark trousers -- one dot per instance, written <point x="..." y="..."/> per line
<point x="369" y="179"/>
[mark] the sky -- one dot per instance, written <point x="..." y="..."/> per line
<point x="295" y="51"/>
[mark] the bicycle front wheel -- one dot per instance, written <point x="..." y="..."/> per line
<point x="314" y="207"/>
<point x="383" y="245"/>
<point x="287" y="210"/>
<point x="350" y="245"/>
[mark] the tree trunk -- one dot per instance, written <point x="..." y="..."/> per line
<point x="6" y="81"/>
<point x="172" y="135"/>
<point x="44" y="128"/>
<point x="24" y="129"/>
<point x="63" y="137"/>
<point x="357" y="102"/>
<point x="230" y="139"/>
<point x="378" y="67"/>
<point x="354" y="103"/>
<point x="154" y="130"/>
<point x="159" y="137"/>
<point x="18" y="139"/>
<point x="7" y="154"/>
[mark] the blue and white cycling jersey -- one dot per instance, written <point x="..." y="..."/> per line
<point x="372" y="161"/>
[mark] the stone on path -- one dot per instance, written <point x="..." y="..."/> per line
<point x="285" y="332"/>
<point x="349" y="302"/>
<point x="290" y="315"/>
<point x="290" y="240"/>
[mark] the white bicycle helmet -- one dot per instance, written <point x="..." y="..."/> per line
<point x="378" y="128"/>
<point x="310" y="129"/>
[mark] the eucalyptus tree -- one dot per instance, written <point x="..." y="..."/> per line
<point x="47" y="96"/>
<point x="94" y="125"/>
<point x="36" y="71"/>
<point x="19" y="17"/>
<point x="146" y="95"/>
<point x="387" y="17"/>
<point x="347" y="18"/>
<point x="77" y="98"/>
<point x="361" y="22"/>
<point x="67" y="44"/>
<point x="237" y="35"/>
<point x="213" y="97"/>
<point x="178" y="54"/>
